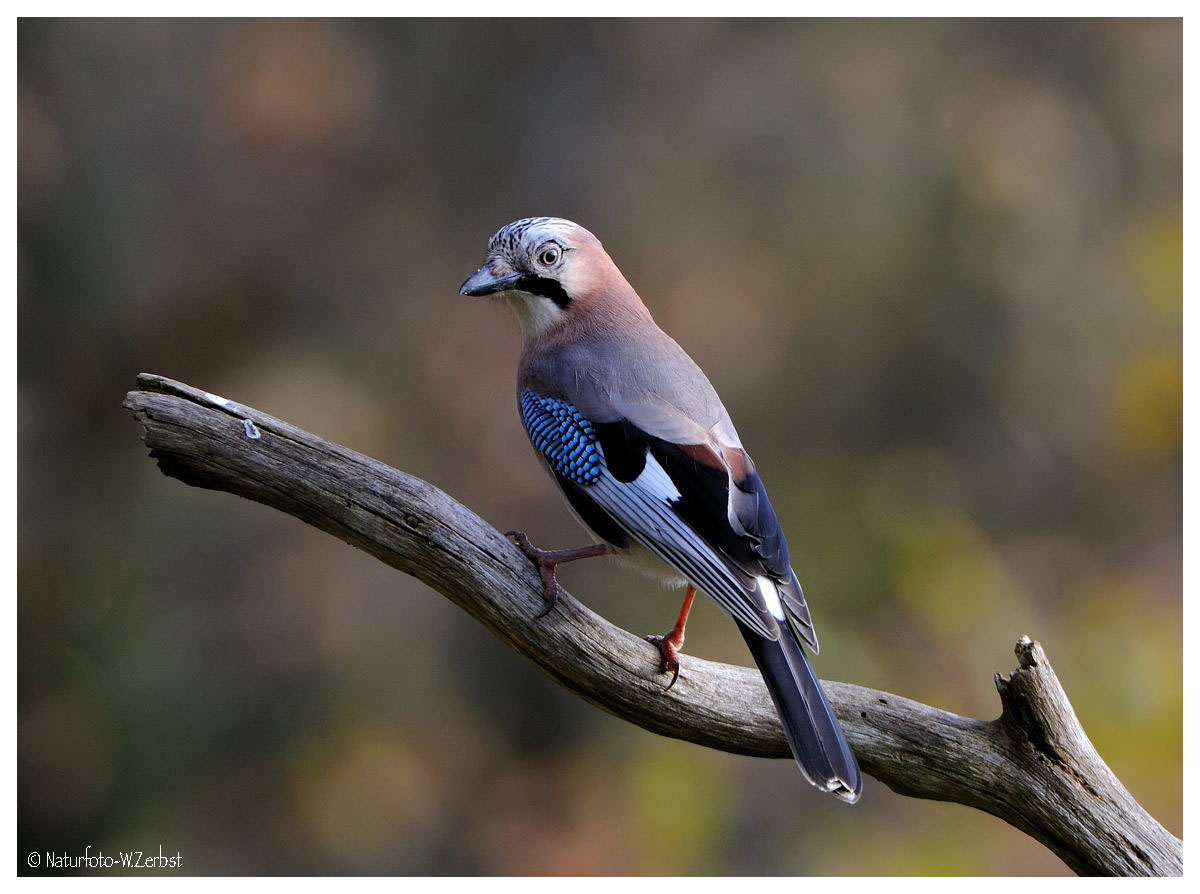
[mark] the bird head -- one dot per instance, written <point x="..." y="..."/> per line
<point x="548" y="269"/>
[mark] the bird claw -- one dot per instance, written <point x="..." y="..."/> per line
<point x="550" y="598"/>
<point x="670" y="656"/>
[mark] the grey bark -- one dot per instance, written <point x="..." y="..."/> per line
<point x="1033" y="766"/>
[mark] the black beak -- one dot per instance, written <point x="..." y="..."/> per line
<point x="483" y="282"/>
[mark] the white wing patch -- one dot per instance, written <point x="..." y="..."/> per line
<point x="656" y="482"/>
<point x="770" y="593"/>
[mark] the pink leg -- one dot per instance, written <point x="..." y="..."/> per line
<point x="548" y="559"/>
<point x="671" y="644"/>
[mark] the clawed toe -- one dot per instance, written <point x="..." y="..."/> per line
<point x="670" y="656"/>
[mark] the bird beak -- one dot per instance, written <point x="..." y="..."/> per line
<point x="484" y="282"/>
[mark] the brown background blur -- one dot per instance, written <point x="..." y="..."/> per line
<point x="934" y="269"/>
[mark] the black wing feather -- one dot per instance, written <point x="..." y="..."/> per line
<point x="758" y="548"/>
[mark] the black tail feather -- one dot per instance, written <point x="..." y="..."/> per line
<point x="812" y="730"/>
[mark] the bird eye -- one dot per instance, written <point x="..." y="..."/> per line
<point x="549" y="256"/>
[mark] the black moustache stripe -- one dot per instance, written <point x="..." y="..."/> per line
<point x="547" y="288"/>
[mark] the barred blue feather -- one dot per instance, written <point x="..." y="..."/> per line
<point x="562" y="435"/>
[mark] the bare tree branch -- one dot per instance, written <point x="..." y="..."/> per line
<point x="1033" y="767"/>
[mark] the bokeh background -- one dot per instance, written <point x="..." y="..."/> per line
<point x="934" y="269"/>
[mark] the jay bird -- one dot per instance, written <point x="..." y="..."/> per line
<point x="650" y="463"/>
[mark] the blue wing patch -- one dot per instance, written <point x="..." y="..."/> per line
<point x="562" y="435"/>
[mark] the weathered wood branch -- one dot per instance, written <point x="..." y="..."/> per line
<point x="1033" y="767"/>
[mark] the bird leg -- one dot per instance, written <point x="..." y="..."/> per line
<point x="548" y="559"/>
<point x="671" y="644"/>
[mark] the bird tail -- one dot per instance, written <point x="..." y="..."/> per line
<point x="812" y="730"/>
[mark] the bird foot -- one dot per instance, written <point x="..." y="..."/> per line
<point x="547" y="560"/>
<point x="542" y="558"/>
<point x="669" y="647"/>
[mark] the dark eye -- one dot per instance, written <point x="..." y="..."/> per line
<point x="549" y="256"/>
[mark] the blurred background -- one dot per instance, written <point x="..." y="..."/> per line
<point x="934" y="269"/>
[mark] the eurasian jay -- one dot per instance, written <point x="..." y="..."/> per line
<point x="649" y="461"/>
